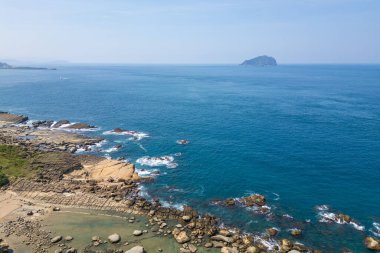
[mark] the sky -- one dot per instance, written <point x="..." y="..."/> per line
<point x="190" y="31"/>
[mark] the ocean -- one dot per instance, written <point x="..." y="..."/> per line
<point x="307" y="137"/>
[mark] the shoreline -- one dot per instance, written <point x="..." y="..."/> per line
<point x="80" y="188"/>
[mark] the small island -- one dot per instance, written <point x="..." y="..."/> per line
<point x="261" y="61"/>
<point x="4" y="65"/>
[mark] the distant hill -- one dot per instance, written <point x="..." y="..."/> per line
<point x="261" y="61"/>
<point x="4" y="65"/>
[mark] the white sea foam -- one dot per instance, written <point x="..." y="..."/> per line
<point x="64" y="127"/>
<point x="146" y="173"/>
<point x="269" y="243"/>
<point x="322" y="207"/>
<point x="135" y="135"/>
<point x="288" y="216"/>
<point x="110" y="150"/>
<point x="142" y="147"/>
<point x="277" y="196"/>
<point x="329" y="217"/>
<point x="177" y="206"/>
<point x="167" y="161"/>
<point x="376" y="229"/>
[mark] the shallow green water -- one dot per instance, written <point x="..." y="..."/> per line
<point x="84" y="224"/>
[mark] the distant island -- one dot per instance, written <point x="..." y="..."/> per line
<point x="4" y="65"/>
<point x="261" y="61"/>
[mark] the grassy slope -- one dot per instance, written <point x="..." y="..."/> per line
<point x="14" y="163"/>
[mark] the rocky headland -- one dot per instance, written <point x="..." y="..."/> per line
<point x="4" y="65"/>
<point x="48" y="177"/>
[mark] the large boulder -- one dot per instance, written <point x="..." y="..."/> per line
<point x="114" y="238"/>
<point x="136" y="249"/>
<point x="182" y="237"/>
<point x="222" y="238"/>
<point x="372" y="243"/>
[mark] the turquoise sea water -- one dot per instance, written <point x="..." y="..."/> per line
<point x="302" y="135"/>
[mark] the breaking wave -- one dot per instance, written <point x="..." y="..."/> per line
<point x="167" y="161"/>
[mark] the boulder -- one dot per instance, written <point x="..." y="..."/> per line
<point x="68" y="238"/>
<point x="137" y="232"/>
<point x="186" y="218"/>
<point x="222" y="238"/>
<point x="296" y="232"/>
<point x="208" y="245"/>
<point x="286" y="245"/>
<point x="252" y="249"/>
<point x="192" y="248"/>
<point x="228" y="250"/>
<point x="95" y="238"/>
<point x="181" y="237"/>
<point x="294" y="251"/>
<point x="136" y="249"/>
<point x="272" y="231"/>
<point x="56" y="239"/>
<point x="114" y="238"/>
<point x="372" y="243"/>
<point x="71" y="250"/>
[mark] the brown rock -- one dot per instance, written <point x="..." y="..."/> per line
<point x="181" y="237"/>
<point x="272" y="231"/>
<point x="372" y="243"/>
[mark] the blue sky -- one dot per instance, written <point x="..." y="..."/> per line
<point x="182" y="31"/>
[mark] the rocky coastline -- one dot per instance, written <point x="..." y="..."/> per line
<point x="57" y="178"/>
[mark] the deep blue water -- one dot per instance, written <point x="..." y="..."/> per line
<point x="307" y="133"/>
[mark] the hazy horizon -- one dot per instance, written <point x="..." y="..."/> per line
<point x="190" y="32"/>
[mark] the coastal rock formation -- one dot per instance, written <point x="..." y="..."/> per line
<point x="261" y="61"/>
<point x="252" y="200"/>
<point x="61" y="179"/>
<point x="7" y="118"/>
<point x="80" y="126"/>
<point x="60" y="123"/>
<point x="372" y="243"/>
<point x="101" y="169"/>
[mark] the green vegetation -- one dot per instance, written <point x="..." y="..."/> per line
<point x="3" y="179"/>
<point x="14" y="163"/>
